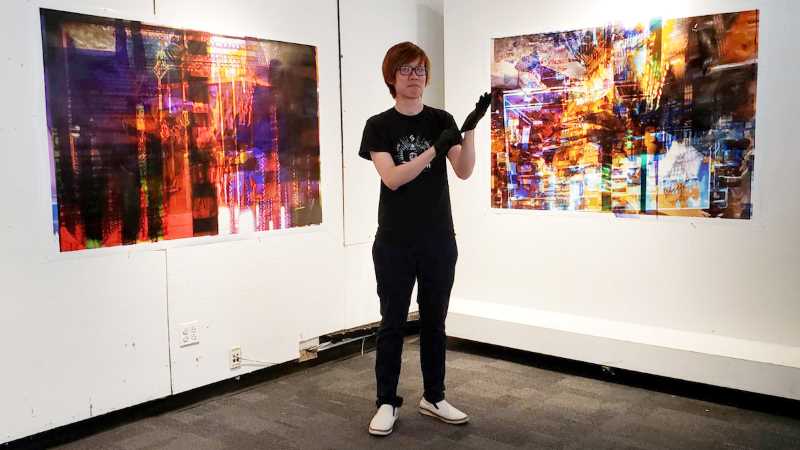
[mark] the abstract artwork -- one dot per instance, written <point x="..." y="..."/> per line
<point x="640" y="118"/>
<point x="160" y="133"/>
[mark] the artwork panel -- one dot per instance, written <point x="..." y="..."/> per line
<point x="647" y="118"/>
<point x="159" y="133"/>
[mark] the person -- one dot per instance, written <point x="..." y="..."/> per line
<point x="415" y="241"/>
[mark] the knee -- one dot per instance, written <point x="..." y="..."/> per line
<point x="390" y="328"/>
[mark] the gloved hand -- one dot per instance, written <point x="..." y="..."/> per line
<point x="480" y="109"/>
<point x="448" y="138"/>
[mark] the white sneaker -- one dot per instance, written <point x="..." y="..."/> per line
<point x="443" y="411"/>
<point x="383" y="422"/>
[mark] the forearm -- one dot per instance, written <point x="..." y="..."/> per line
<point x="465" y="162"/>
<point x="401" y="174"/>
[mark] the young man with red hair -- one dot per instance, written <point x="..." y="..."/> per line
<point x="415" y="241"/>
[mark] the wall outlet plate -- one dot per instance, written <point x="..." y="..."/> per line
<point x="236" y="357"/>
<point x="189" y="334"/>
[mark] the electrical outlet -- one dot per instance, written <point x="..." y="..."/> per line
<point x="236" y="357"/>
<point x="190" y="334"/>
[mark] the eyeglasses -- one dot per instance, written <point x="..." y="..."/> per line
<point x="419" y="71"/>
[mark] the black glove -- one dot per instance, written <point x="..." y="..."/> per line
<point x="480" y="109"/>
<point x="448" y="138"/>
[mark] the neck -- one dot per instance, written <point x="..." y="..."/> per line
<point x="408" y="106"/>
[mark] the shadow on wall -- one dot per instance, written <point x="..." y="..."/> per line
<point x="430" y="36"/>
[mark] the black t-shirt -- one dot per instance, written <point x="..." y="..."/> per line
<point x="420" y="207"/>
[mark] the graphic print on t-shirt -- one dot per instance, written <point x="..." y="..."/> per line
<point x="409" y="147"/>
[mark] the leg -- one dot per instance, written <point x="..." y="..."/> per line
<point x="436" y="274"/>
<point x="395" y="279"/>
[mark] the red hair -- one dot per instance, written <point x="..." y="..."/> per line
<point x="399" y="54"/>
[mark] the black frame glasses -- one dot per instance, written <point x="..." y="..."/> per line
<point x="419" y="71"/>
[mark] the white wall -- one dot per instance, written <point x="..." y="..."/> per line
<point x="369" y="28"/>
<point x="79" y="336"/>
<point x="724" y="288"/>
<point x="90" y="332"/>
<point x="269" y="293"/>
<point x="87" y="332"/>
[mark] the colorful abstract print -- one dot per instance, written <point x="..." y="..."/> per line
<point x="655" y="118"/>
<point x="160" y="133"/>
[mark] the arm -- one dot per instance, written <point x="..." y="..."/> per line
<point x="394" y="176"/>
<point x="462" y="157"/>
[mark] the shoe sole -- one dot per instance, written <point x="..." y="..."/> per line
<point x="426" y="412"/>
<point x="376" y="432"/>
<point x="381" y="432"/>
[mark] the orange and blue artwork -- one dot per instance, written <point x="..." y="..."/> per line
<point x="160" y="133"/>
<point x="642" y="118"/>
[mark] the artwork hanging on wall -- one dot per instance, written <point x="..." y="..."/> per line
<point x="647" y="118"/>
<point x="160" y="133"/>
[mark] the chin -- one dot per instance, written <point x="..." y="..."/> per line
<point x="413" y="93"/>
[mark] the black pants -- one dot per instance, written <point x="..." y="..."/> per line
<point x="431" y="261"/>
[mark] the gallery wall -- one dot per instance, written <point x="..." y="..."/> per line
<point x="266" y="293"/>
<point x="84" y="333"/>
<point x="369" y="28"/>
<point x="711" y="300"/>
<point x="92" y="331"/>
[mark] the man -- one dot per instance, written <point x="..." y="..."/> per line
<point x="408" y="144"/>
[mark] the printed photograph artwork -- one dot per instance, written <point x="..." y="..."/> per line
<point x="642" y="118"/>
<point x="159" y="133"/>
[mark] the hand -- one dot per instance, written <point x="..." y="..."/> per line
<point x="480" y="109"/>
<point x="448" y="138"/>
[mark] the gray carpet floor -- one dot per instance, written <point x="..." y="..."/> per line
<point x="511" y="405"/>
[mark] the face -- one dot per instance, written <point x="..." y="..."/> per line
<point x="412" y="85"/>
